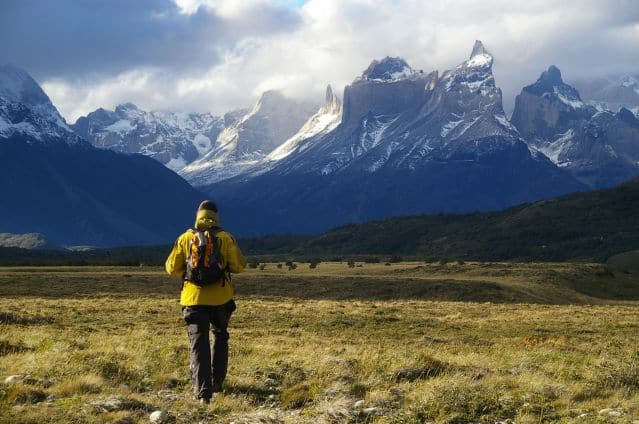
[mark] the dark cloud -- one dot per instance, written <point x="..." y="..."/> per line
<point x="66" y="38"/>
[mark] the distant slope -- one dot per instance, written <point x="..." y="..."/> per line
<point x="588" y="226"/>
<point x="55" y="183"/>
<point x="591" y="226"/>
<point x="626" y="261"/>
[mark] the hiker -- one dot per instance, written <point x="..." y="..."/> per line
<point x="205" y="257"/>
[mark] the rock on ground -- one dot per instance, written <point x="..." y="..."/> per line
<point x="158" y="417"/>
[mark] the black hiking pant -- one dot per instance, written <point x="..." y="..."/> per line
<point x="208" y="371"/>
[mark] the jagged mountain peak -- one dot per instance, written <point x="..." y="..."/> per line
<point x="628" y="117"/>
<point x="126" y="107"/>
<point x="270" y="97"/>
<point x="329" y="93"/>
<point x="551" y="83"/>
<point x="479" y="57"/>
<point x="473" y="74"/>
<point x="551" y="76"/>
<point x="26" y="109"/>
<point x="387" y="69"/>
<point x="17" y="85"/>
<point x="478" y="48"/>
<point x="331" y="101"/>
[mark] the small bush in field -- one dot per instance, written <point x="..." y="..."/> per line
<point x="351" y="264"/>
<point x="253" y="265"/>
<point x="279" y="266"/>
<point x="262" y="267"/>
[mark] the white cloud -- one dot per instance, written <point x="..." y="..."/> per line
<point x="337" y="39"/>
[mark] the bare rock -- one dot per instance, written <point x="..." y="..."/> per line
<point x="14" y="379"/>
<point x="159" y="417"/>
<point x="611" y="412"/>
<point x="109" y="404"/>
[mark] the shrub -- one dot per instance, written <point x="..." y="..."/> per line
<point x="262" y="267"/>
<point x="253" y="265"/>
<point x="351" y="264"/>
<point x="296" y="396"/>
<point x="618" y="373"/>
<point x="80" y="385"/>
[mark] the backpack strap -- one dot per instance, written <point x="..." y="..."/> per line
<point x="214" y="234"/>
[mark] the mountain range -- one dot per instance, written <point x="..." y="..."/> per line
<point x="55" y="183"/>
<point x="401" y="142"/>
<point x="599" y="147"/>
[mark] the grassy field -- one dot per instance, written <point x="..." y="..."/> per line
<point x="404" y="343"/>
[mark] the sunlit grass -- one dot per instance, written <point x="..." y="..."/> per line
<point x="408" y="342"/>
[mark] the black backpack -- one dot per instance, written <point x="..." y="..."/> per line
<point x="204" y="265"/>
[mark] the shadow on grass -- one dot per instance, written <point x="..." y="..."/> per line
<point x="257" y="393"/>
<point x="127" y="283"/>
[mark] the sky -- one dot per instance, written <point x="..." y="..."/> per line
<point x="216" y="56"/>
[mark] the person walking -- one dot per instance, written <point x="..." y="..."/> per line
<point x="205" y="257"/>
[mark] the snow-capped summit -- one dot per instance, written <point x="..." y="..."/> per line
<point x="17" y="85"/>
<point x="600" y="148"/>
<point x="474" y="74"/>
<point x="550" y="84"/>
<point x="174" y="139"/>
<point x="325" y="120"/>
<point x="26" y="109"/>
<point x="479" y="57"/>
<point x="250" y="138"/>
<point x="388" y="69"/>
<point x="548" y="107"/>
<point x="611" y="93"/>
<point x="407" y="143"/>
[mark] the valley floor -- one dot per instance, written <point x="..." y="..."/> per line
<point x="399" y="343"/>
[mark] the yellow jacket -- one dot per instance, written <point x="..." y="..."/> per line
<point x="231" y="258"/>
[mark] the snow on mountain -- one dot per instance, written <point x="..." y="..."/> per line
<point x="26" y="109"/>
<point x="548" y="108"/>
<point x="248" y="140"/>
<point x="325" y="120"/>
<point x="389" y="69"/>
<point x="401" y="122"/>
<point x="174" y="139"/>
<point x="57" y="184"/>
<point x="610" y="93"/>
<point x="407" y="143"/>
<point x="598" y="146"/>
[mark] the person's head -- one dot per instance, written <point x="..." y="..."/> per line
<point x="206" y="216"/>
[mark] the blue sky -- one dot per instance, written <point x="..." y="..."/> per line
<point x="217" y="55"/>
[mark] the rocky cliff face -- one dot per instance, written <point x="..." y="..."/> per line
<point x="25" y="110"/>
<point x="600" y="148"/>
<point x="611" y="93"/>
<point x="408" y="142"/>
<point x="548" y="107"/>
<point x="250" y="138"/>
<point x="57" y="184"/>
<point x="173" y="139"/>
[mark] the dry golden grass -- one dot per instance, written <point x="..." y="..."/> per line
<point x="413" y="342"/>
